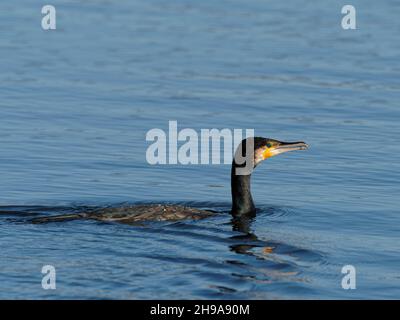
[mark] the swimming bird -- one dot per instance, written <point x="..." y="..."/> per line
<point x="243" y="164"/>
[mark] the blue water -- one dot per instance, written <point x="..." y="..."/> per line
<point x="75" y="106"/>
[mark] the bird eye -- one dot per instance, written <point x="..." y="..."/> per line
<point x="269" y="145"/>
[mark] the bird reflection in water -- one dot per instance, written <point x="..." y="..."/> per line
<point x="247" y="241"/>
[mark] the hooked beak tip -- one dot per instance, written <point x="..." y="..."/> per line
<point x="304" y="146"/>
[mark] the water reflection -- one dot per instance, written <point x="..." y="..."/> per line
<point x="271" y="260"/>
<point x="248" y="239"/>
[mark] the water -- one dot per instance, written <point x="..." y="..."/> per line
<point x="75" y="107"/>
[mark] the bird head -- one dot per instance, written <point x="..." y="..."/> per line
<point x="265" y="148"/>
<point x="262" y="149"/>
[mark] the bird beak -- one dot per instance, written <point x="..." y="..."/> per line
<point x="282" y="147"/>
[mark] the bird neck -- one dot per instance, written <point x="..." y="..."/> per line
<point x="242" y="201"/>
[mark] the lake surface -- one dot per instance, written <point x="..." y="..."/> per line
<point x="76" y="104"/>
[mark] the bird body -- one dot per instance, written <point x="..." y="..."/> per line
<point x="133" y="214"/>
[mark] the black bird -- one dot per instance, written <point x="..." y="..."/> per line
<point x="242" y="202"/>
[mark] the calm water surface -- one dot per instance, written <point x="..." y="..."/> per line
<point x="75" y="106"/>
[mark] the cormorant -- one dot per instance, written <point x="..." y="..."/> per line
<point x="242" y="201"/>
